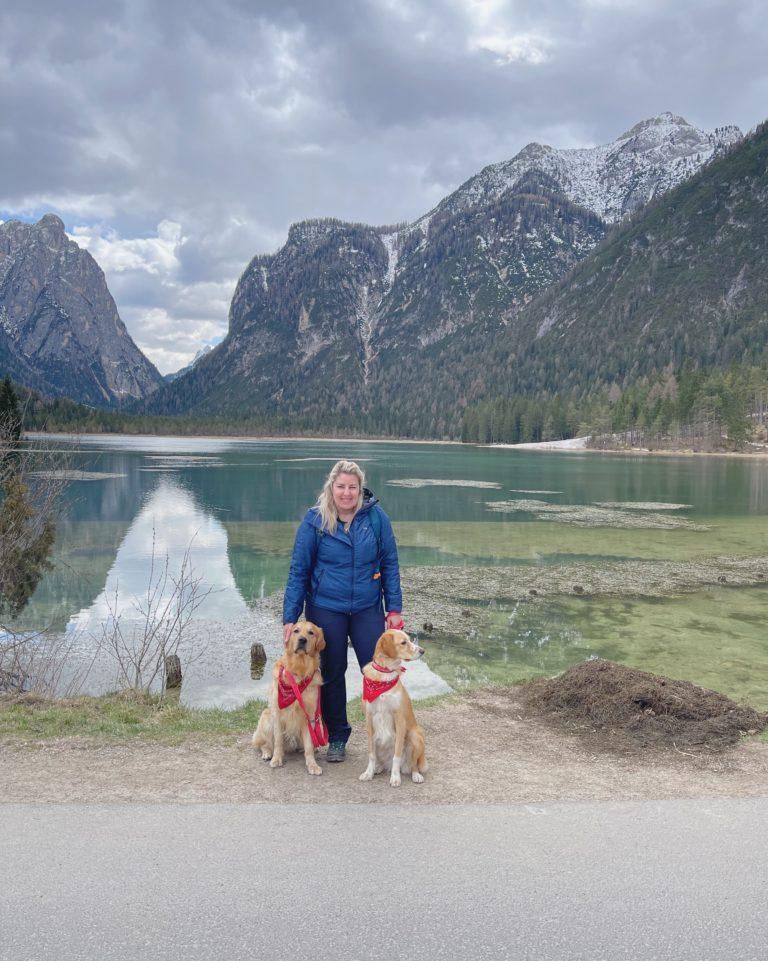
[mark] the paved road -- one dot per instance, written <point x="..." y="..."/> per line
<point x="672" y="880"/>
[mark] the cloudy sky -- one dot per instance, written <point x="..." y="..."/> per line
<point x="178" y="138"/>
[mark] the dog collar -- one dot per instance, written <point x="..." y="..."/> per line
<point x="387" y="670"/>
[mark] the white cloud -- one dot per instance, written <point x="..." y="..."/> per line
<point x="155" y="255"/>
<point x="170" y="320"/>
<point x="512" y="48"/>
<point x="495" y="28"/>
<point x="176" y="155"/>
<point x="170" y="340"/>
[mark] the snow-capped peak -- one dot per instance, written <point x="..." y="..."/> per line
<point x="612" y="179"/>
<point x="664" y="124"/>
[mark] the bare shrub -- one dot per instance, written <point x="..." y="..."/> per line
<point x="40" y="663"/>
<point x="157" y="626"/>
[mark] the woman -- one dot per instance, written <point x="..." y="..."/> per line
<point x="344" y="562"/>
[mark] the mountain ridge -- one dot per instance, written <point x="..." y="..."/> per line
<point x="698" y="257"/>
<point x="60" y="331"/>
<point x="362" y="303"/>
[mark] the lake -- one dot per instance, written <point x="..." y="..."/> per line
<point x="235" y="504"/>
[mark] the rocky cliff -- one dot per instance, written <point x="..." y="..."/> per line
<point x="60" y="332"/>
<point x="349" y="324"/>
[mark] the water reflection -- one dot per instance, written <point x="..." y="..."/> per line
<point x="239" y="500"/>
<point x="169" y="524"/>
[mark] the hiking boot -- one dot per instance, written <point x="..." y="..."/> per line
<point x="336" y="752"/>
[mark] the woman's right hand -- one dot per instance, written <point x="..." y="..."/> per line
<point x="287" y="628"/>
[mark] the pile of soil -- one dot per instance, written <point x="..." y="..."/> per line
<point x="628" y="708"/>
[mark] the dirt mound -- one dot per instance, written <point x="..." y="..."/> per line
<point x="624" y="707"/>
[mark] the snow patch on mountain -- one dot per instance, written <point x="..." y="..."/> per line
<point x="365" y="324"/>
<point x="613" y="179"/>
<point x="206" y="349"/>
<point x="390" y="242"/>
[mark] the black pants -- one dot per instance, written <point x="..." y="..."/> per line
<point x="363" y="629"/>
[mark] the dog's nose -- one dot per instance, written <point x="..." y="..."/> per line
<point x="421" y="651"/>
<point x="301" y="643"/>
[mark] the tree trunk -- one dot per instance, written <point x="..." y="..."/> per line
<point x="172" y="671"/>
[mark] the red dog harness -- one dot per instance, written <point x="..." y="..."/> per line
<point x="292" y="691"/>
<point x="373" y="689"/>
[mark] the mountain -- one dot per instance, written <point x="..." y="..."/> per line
<point x="60" y="332"/>
<point x="612" y="180"/>
<point x="348" y="325"/>
<point x="293" y="315"/>
<point x="169" y="378"/>
<point x="685" y="279"/>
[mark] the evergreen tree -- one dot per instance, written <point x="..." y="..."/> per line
<point x="26" y="540"/>
<point x="10" y="416"/>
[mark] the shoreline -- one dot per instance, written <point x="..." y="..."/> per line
<point x="566" y="447"/>
<point x="644" y="452"/>
<point x="249" y="438"/>
<point x="547" y="447"/>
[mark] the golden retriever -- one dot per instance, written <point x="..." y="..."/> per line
<point x="282" y="728"/>
<point x="394" y="737"/>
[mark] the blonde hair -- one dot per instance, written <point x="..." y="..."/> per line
<point x="325" y="506"/>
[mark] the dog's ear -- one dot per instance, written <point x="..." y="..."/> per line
<point x="320" y="643"/>
<point x="387" y="643"/>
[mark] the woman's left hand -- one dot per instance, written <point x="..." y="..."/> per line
<point x="395" y="621"/>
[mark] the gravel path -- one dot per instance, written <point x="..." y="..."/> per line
<point x="480" y="750"/>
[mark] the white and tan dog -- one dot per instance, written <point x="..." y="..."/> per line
<point x="395" y="740"/>
<point x="284" y="724"/>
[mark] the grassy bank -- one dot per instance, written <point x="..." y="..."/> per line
<point x="121" y="717"/>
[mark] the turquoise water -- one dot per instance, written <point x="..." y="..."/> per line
<point x="235" y="505"/>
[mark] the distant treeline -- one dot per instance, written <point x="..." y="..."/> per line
<point x="66" y="416"/>
<point x="685" y="404"/>
<point x="670" y="407"/>
<point x="520" y="420"/>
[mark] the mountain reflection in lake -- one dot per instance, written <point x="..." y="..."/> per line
<point x="169" y="525"/>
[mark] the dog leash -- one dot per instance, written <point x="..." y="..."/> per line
<point x="285" y="694"/>
<point x="317" y="729"/>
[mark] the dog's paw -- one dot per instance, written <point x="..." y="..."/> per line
<point x="314" y="769"/>
<point x="276" y="762"/>
<point x="417" y="778"/>
<point x="265" y="755"/>
<point x="367" y="775"/>
<point x="394" y="781"/>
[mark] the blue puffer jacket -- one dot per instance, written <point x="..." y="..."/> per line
<point x="337" y="571"/>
